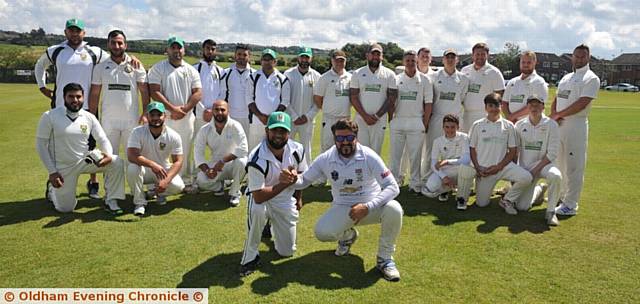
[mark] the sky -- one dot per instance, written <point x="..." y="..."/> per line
<point x="609" y="27"/>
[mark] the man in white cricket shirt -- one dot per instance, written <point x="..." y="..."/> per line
<point x="529" y="83"/>
<point x="538" y="144"/>
<point x="484" y="78"/>
<point x="571" y="109"/>
<point x="227" y="144"/>
<point x="210" y="77"/>
<point x="233" y="86"/>
<point x="155" y="155"/>
<point x="61" y="142"/>
<point x="372" y="91"/>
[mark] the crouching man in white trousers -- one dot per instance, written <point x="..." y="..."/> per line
<point x="363" y="191"/>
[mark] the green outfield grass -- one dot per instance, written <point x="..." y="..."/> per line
<point x="445" y="256"/>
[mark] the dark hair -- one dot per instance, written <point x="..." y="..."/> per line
<point x="243" y="47"/>
<point x="493" y="98"/>
<point x="451" y="118"/>
<point x="345" y="124"/>
<point x="582" y="47"/>
<point x="72" y="87"/>
<point x="409" y="52"/>
<point x="480" y="45"/>
<point x="115" y="33"/>
<point x="424" y="49"/>
<point x="209" y="41"/>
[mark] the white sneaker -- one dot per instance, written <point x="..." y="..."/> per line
<point x="112" y="206"/>
<point x="345" y="246"/>
<point x="139" y="210"/>
<point x="562" y="209"/>
<point x="540" y="199"/>
<point x="461" y="204"/>
<point x="443" y="197"/>
<point x="161" y="200"/>
<point x="552" y="219"/>
<point x="389" y="270"/>
<point x="508" y="207"/>
<point x="234" y="201"/>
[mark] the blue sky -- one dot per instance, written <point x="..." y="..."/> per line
<point x="609" y="27"/>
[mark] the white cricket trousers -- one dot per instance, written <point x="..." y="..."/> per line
<point x="305" y="135"/>
<point x="533" y="191"/>
<point x="118" y="132"/>
<point x="185" y="128"/>
<point x="572" y="158"/>
<point x="334" y="225"/>
<point x="244" y="122"/>
<point x="64" y="198"/>
<point x="138" y="176"/>
<point x="283" y="221"/>
<point x="327" y="136"/>
<point x="513" y="173"/>
<point x="407" y="133"/>
<point x="256" y="133"/>
<point x="463" y="174"/>
<point x="469" y="117"/>
<point x="372" y="136"/>
<point x="233" y="170"/>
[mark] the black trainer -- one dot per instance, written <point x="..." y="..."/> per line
<point x="92" y="189"/>
<point x="250" y="267"/>
<point x="266" y="232"/>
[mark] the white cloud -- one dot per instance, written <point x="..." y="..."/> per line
<point x="544" y="25"/>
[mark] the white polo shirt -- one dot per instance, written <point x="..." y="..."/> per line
<point x="158" y="149"/>
<point x="373" y="86"/>
<point x="175" y="83"/>
<point x="119" y="93"/>
<point x="492" y="140"/>
<point x="270" y="91"/>
<point x="487" y="79"/>
<point x="413" y="93"/>
<point x="334" y="90"/>
<point x="518" y="90"/>
<point x="455" y="150"/>
<point x="449" y="91"/>
<point x="534" y="142"/>
<point x="302" y="93"/>
<point x="210" y="75"/>
<point x="358" y="179"/>
<point x="263" y="170"/>
<point x="233" y="88"/>
<point x="72" y="66"/>
<point x="68" y="137"/>
<point x="581" y="83"/>
<point x="231" y="140"/>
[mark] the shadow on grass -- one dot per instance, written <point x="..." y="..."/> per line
<point x="320" y="269"/>
<point x="32" y="210"/>
<point x="492" y="216"/>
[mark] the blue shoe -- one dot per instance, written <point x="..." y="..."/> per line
<point x="564" y="210"/>
<point x="388" y="269"/>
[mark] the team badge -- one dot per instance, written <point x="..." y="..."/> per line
<point x="334" y="175"/>
<point x="359" y="176"/>
<point x="128" y="68"/>
<point x="311" y="83"/>
<point x="162" y="145"/>
<point x="83" y="129"/>
<point x="83" y="57"/>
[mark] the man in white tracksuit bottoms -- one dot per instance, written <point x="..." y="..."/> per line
<point x="410" y="119"/>
<point x="493" y="147"/>
<point x="538" y="144"/>
<point x="571" y="109"/>
<point x="363" y="191"/>
<point x="269" y="199"/>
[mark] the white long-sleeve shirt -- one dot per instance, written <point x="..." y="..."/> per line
<point x="270" y="91"/>
<point x="455" y="150"/>
<point x="233" y="86"/>
<point x="210" y="77"/>
<point x="231" y="140"/>
<point x="301" y="102"/>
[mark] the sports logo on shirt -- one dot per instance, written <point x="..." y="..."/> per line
<point x="474" y="88"/>
<point x="83" y="56"/>
<point x="447" y="95"/>
<point x="564" y="94"/>
<point x="128" y="68"/>
<point x="83" y="128"/>
<point x="374" y="87"/>
<point x="385" y="174"/>
<point x="359" y="176"/>
<point x="162" y="145"/>
<point x="348" y="181"/>
<point x="310" y="83"/>
<point x="334" y="175"/>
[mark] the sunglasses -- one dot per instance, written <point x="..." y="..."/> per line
<point x="341" y="138"/>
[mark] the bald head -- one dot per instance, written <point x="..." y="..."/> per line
<point x="220" y="111"/>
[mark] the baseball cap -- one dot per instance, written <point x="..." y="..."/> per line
<point x="175" y="39"/>
<point x="450" y="51"/>
<point x="270" y="52"/>
<point x="158" y="106"/>
<point x="337" y="54"/>
<point x="535" y="97"/>
<point x="279" y="120"/>
<point x="75" y="22"/>
<point x="305" y="51"/>
<point x="375" y="47"/>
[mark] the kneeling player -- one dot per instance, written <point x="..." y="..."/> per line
<point x="538" y="142"/>
<point x="450" y="162"/>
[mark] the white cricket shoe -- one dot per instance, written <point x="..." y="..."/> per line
<point x="389" y="270"/>
<point x="552" y="219"/>
<point x="508" y="207"/>
<point x="345" y="246"/>
<point x="139" y="210"/>
<point x="234" y="201"/>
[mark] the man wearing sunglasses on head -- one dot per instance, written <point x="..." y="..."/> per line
<point x="363" y="192"/>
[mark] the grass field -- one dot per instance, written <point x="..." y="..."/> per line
<point x="445" y="256"/>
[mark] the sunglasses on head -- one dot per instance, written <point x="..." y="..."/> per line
<point x="341" y="138"/>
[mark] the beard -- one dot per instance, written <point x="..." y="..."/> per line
<point x="220" y="118"/>
<point x="73" y="108"/>
<point x="156" y="124"/>
<point x="276" y="145"/>
<point x="346" y="150"/>
<point x="304" y="65"/>
<point x="374" y="64"/>
<point x="117" y="54"/>
<point x="209" y="58"/>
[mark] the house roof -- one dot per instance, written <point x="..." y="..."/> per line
<point x="627" y="58"/>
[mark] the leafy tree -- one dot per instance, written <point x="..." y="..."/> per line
<point x="508" y="61"/>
